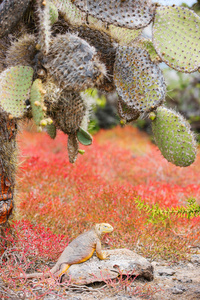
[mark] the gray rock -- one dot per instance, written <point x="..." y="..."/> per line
<point x="176" y="291"/>
<point x="120" y="261"/>
<point x="166" y="272"/>
<point x="184" y="280"/>
<point x="195" y="258"/>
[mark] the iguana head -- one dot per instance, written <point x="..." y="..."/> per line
<point x="103" y="228"/>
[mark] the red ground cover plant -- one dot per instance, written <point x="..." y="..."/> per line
<point x="56" y="201"/>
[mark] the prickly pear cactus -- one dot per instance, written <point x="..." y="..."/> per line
<point x="176" y="37"/>
<point x="68" y="46"/>
<point x="15" y="84"/>
<point x="173" y="137"/>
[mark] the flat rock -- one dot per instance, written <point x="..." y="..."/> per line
<point x="166" y="272"/>
<point x="120" y="262"/>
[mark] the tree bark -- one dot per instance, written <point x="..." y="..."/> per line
<point x="8" y="158"/>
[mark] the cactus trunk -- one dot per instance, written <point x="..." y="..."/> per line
<point x="8" y="131"/>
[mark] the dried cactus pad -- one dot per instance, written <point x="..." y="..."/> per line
<point x="37" y="101"/>
<point x="139" y="81"/>
<point x="68" y="112"/>
<point x="84" y="137"/>
<point x="176" y="37"/>
<point x="72" y="147"/>
<point x="123" y="13"/>
<point x="173" y="137"/>
<point x="15" y="84"/>
<point x="74" y="63"/>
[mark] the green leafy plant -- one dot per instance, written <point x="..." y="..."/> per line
<point x="158" y="214"/>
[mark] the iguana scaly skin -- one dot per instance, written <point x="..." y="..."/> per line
<point x="78" y="251"/>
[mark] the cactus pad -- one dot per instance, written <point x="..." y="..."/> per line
<point x="15" y="84"/>
<point x="37" y="102"/>
<point x="74" y="63"/>
<point x="176" y="37"/>
<point x="123" y="13"/>
<point x="84" y="137"/>
<point x="173" y="137"/>
<point x="139" y="81"/>
<point x="72" y="147"/>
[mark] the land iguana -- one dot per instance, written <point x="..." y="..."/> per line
<point x="78" y="251"/>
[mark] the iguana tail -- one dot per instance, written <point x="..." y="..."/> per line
<point x="35" y="275"/>
<point x="57" y="270"/>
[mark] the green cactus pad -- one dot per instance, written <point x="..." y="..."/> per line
<point x="123" y="36"/>
<point x="51" y="130"/>
<point x="173" y="137"/>
<point x="124" y="13"/>
<point x="125" y="112"/>
<point x="139" y="81"/>
<point x="72" y="147"/>
<point x="53" y="13"/>
<point x="37" y="101"/>
<point x="84" y="137"/>
<point x="15" y="84"/>
<point x="176" y="37"/>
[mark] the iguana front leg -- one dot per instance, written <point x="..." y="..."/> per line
<point x="100" y="253"/>
<point x="63" y="269"/>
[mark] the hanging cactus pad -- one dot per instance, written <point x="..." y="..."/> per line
<point x="176" y="37"/>
<point x="173" y="137"/>
<point x="15" y="84"/>
<point x="84" y="137"/>
<point x="139" y="81"/>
